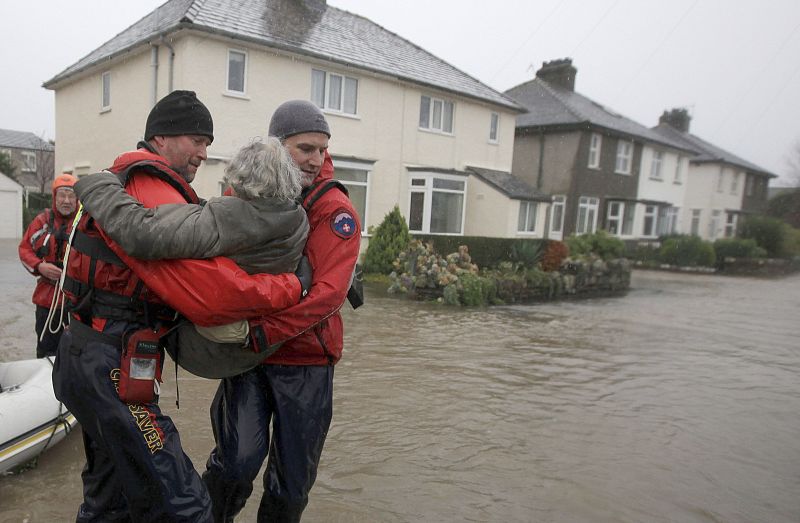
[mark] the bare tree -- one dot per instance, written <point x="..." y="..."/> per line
<point x="45" y="164"/>
<point x="7" y="166"/>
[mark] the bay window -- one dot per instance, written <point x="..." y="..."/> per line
<point x="436" y="203"/>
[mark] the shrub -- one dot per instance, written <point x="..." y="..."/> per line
<point x="769" y="233"/>
<point x="554" y="254"/>
<point x="490" y="252"/>
<point x="390" y="238"/>
<point x="599" y="243"/>
<point x="687" y="251"/>
<point x="737" y="248"/>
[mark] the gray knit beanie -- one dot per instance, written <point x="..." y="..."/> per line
<point x="295" y="117"/>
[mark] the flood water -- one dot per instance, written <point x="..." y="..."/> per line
<point x="676" y="403"/>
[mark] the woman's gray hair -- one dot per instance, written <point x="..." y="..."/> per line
<point x="263" y="170"/>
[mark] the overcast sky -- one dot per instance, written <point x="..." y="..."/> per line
<point x="735" y="64"/>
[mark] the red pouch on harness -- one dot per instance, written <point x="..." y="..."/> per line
<point x="140" y="367"/>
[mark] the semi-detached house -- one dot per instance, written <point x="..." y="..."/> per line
<point x="603" y="170"/>
<point x="408" y="128"/>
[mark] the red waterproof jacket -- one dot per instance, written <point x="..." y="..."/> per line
<point x="45" y="240"/>
<point x="312" y="329"/>
<point x="207" y="292"/>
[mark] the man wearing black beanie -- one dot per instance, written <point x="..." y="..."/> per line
<point x="292" y="391"/>
<point x="109" y="359"/>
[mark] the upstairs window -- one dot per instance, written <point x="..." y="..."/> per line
<point x="494" y="123"/>
<point x="436" y="114"/>
<point x="595" y="143"/>
<point x="436" y="203"/>
<point x="334" y="92"/>
<point x="526" y="222"/>
<point x="28" y="161"/>
<point x="624" y="157"/>
<point x="735" y="183"/>
<point x="237" y="69"/>
<point x="749" y="185"/>
<point x="655" y="165"/>
<point x="678" y="171"/>
<point x="720" y="180"/>
<point x="105" y="90"/>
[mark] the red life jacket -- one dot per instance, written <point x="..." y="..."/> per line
<point x="97" y="283"/>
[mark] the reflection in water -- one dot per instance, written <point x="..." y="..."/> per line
<point x="677" y="402"/>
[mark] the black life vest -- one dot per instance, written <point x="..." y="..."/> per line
<point x="98" y="284"/>
<point x="49" y="236"/>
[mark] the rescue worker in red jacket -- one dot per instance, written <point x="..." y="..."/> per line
<point x="293" y="389"/>
<point x="108" y="359"/>
<point x="42" y="252"/>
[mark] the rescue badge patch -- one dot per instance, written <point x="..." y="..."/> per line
<point x="343" y="224"/>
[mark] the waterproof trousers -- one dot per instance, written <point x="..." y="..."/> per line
<point x="135" y="467"/>
<point x="298" y="400"/>
<point x="48" y="345"/>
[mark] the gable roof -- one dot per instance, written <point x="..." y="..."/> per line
<point x="298" y="26"/>
<point x="23" y="140"/>
<point x="508" y="184"/>
<point x="708" y="152"/>
<point x="550" y="106"/>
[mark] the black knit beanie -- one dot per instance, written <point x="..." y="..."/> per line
<point x="295" y="117"/>
<point x="180" y="112"/>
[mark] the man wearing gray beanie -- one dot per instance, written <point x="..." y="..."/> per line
<point x="136" y="469"/>
<point x="293" y="389"/>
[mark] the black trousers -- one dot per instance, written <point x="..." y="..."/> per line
<point x="48" y="345"/>
<point x="298" y="401"/>
<point x="136" y="469"/>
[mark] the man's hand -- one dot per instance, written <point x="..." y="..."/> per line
<point x="303" y="273"/>
<point x="52" y="272"/>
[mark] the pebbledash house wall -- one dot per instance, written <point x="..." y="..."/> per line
<point x="385" y="132"/>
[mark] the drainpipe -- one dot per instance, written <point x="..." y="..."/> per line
<point x="540" y="174"/>
<point x="154" y="66"/>
<point x="171" y="61"/>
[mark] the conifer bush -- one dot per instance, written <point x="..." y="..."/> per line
<point x="389" y="240"/>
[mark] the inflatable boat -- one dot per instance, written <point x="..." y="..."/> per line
<point x="31" y="418"/>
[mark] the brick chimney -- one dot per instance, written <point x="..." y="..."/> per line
<point x="678" y="118"/>
<point x="558" y="73"/>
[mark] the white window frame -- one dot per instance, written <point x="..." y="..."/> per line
<point x="358" y="166"/>
<point x="329" y="103"/>
<point x="697" y="215"/>
<point x="622" y="218"/>
<point x="28" y="161"/>
<point x="749" y="183"/>
<point x="105" y="91"/>
<point x="730" y="225"/>
<point x="559" y="204"/>
<point x="595" y="146"/>
<point x="624" y="158"/>
<point x="650" y="213"/>
<point x="735" y="182"/>
<point x="678" y="171"/>
<point x="589" y="206"/>
<point x="430" y="124"/>
<point x="427" y="189"/>
<point x="228" y="89"/>
<point x="494" y="127"/>
<point x="530" y="210"/>
<point x="668" y="220"/>
<point x="656" y="163"/>
<point x="713" y="224"/>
